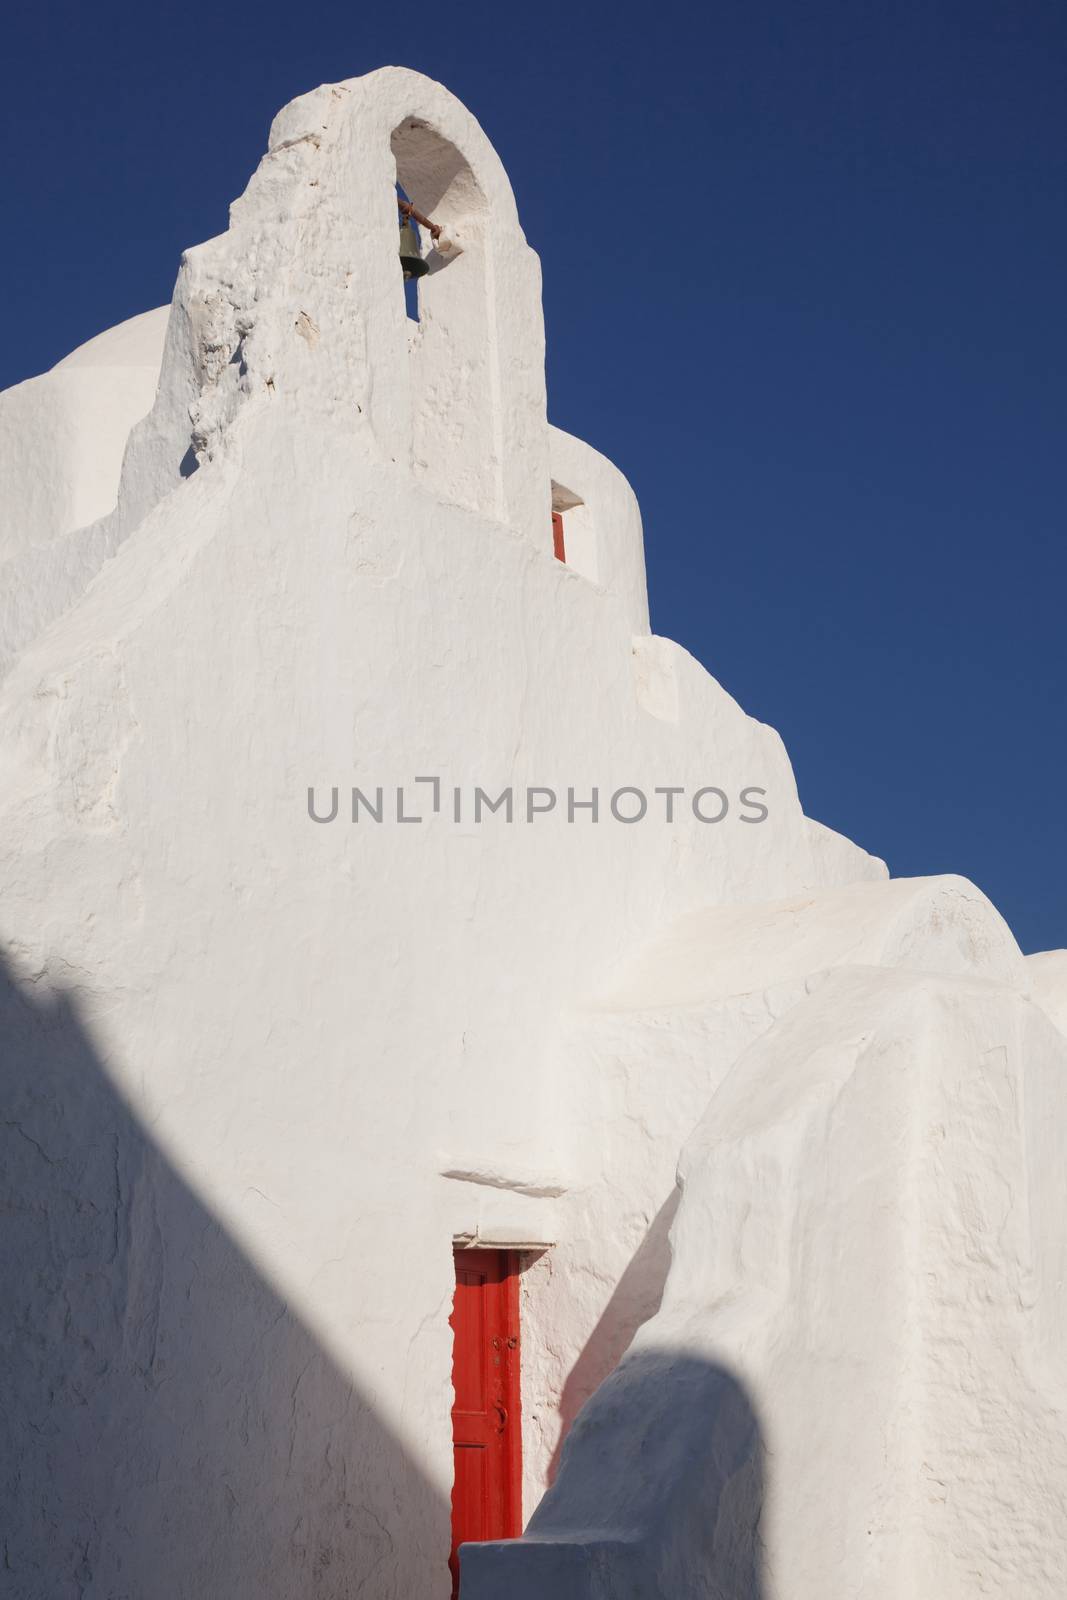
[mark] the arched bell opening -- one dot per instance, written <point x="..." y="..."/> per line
<point x="439" y="205"/>
<point x="456" y="407"/>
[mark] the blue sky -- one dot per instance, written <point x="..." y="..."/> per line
<point x="804" y="282"/>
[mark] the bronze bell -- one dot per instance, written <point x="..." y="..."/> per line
<point x="411" y="261"/>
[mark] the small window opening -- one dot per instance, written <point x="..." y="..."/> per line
<point x="573" y="534"/>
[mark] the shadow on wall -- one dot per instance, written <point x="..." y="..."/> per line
<point x="168" y="1429"/>
<point x="636" y="1298"/>
<point x="659" y="1495"/>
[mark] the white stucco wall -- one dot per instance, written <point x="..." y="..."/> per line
<point x="64" y="438"/>
<point x="1048" y="975"/>
<point x="262" y="1071"/>
<point x="68" y="431"/>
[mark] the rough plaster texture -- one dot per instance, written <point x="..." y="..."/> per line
<point x="854" y="1383"/>
<point x="259" y="1072"/>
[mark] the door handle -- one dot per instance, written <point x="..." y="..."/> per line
<point x="502" y="1414"/>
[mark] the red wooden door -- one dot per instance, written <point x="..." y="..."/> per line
<point x="558" y="548"/>
<point x="486" y="1422"/>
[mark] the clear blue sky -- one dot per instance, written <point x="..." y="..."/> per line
<point x="804" y="282"/>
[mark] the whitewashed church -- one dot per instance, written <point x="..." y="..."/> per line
<point x="465" y="1130"/>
